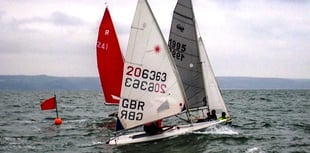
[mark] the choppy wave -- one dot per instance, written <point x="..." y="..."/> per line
<point x="263" y="121"/>
<point x="220" y="129"/>
<point x="254" y="150"/>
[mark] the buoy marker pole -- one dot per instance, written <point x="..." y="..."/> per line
<point x="57" y="120"/>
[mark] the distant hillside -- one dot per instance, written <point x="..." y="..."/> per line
<point x="43" y="82"/>
<point x="262" y="83"/>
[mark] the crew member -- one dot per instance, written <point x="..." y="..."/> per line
<point x="153" y="127"/>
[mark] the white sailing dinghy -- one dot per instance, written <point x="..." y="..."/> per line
<point x="191" y="59"/>
<point x="152" y="88"/>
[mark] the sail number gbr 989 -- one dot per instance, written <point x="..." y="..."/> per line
<point x="145" y="79"/>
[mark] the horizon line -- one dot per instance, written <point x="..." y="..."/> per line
<point x="260" y="77"/>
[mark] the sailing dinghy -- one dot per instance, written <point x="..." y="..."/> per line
<point x="152" y="88"/>
<point x="110" y="60"/>
<point x="190" y="56"/>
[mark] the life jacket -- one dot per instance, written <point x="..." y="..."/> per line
<point x="221" y="118"/>
<point x="158" y="123"/>
<point x="153" y="127"/>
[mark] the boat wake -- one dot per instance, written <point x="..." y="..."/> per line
<point x="254" y="150"/>
<point x="226" y="130"/>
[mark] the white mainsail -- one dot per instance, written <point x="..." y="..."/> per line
<point x="151" y="87"/>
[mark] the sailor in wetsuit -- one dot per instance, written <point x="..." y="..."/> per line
<point x="153" y="127"/>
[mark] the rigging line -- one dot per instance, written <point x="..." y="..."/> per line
<point x="188" y="114"/>
<point x="182" y="118"/>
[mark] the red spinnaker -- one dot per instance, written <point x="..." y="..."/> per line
<point x="49" y="104"/>
<point x="110" y="60"/>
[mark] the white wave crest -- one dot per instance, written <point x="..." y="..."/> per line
<point x="254" y="150"/>
<point x="219" y="130"/>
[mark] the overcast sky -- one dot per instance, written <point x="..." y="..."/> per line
<point x="257" y="38"/>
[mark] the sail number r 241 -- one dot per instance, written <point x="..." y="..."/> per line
<point x="177" y="49"/>
<point x="103" y="46"/>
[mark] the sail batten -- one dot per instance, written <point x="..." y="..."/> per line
<point x="184" y="16"/>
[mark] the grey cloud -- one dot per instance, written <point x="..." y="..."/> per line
<point x="18" y="37"/>
<point x="59" y="18"/>
<point x="256" y="38"/>
<point x="56" y="18"/>
<point x="2" y="13"/>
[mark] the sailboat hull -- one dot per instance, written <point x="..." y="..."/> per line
<point x="139" y="137"/>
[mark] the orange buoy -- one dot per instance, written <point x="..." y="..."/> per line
<point x="57" y="121"/>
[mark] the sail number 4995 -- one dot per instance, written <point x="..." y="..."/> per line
<point x="144" y="79"/>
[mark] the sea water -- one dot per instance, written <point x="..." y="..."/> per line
<point x="263" y="121"/>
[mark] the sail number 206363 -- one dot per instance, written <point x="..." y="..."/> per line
<point x="145" y="79"/>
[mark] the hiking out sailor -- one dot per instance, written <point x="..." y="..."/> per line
<point x="223" y="117"/>
<point x="213" y="114"/>
<point x="208" y="118"/>
<point x="153" y="127"/>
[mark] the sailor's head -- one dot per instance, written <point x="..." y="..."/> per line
<point x="223" y="114"/>
<point x="208" y="113"/>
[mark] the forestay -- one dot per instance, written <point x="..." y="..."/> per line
<point x="151" y="87"/>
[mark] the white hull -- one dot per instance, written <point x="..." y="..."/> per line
<point x="139" y="137"/>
